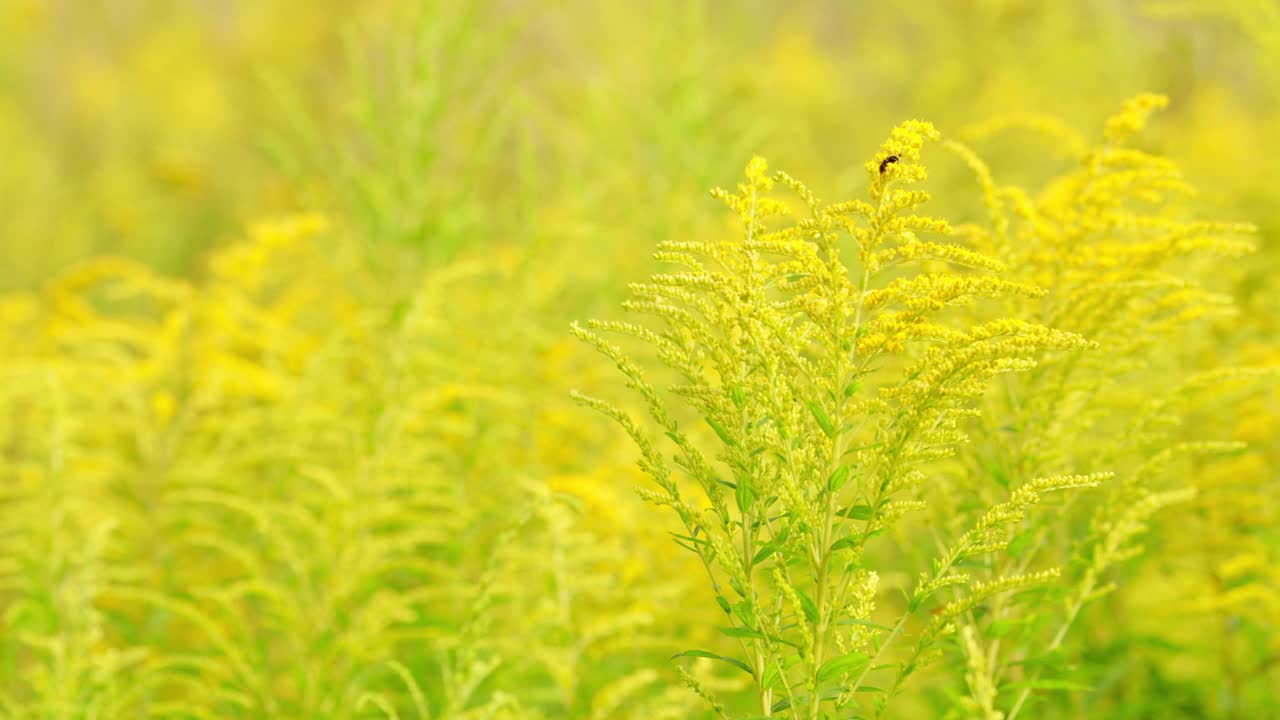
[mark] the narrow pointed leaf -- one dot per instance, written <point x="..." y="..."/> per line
<point x="838" y="478"/>
<point x="739" y="632"/>
<point x="824" y="420"/>
<point x="703" y="653"/>
<point x="744" y="495"/>
<point x="844" y="664"/>
<point x="725" y="437"/>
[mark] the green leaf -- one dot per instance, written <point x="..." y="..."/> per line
<point x="765" y="551"/>
<point x="724" y="434"/>
<point x="838" y="478"/>
<point x="856" y="512"/>
<point x="724" y="605"/>
<point x="824" y="421"/>
<point x="700" y="541"/>
<point x="868" y="623"/>
<point x="847" y="543"/>
<point x="807" y="604"/>
<point x="739" y="397"/>
<point x="743" y="494"/>
<point x="737" y="632"/>
<point x="842" y="665"/>
<point x="771" y="675"/>
<point x="825" y="694"/>
<point x="686" y="546"/>
<point x="704" y="654"/>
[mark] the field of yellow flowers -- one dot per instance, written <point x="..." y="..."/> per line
<point x="670" y="360"/>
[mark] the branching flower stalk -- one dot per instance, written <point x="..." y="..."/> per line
<point x="831" y="390"/>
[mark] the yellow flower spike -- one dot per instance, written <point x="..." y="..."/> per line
<point x="1132" y="118"/>
<point x="758" y="174"/>
<point x="899" y="156"/>
<point x="1060" y="136"/>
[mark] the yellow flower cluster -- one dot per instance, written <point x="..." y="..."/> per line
<point x="774" y="342"/>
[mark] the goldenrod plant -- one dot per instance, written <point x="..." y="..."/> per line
<point x="783" y="349"/>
